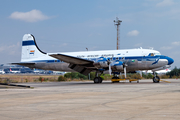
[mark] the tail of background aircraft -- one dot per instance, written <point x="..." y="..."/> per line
<point x="30" y="50"/>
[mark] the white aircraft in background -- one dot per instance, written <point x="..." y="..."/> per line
<point x="108" y="61"/>
<point x="14" y="70"/>
<point x="2" y="72"/>
<point x="159" y="71"/>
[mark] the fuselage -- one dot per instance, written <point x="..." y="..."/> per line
<point x="137" y="59"/>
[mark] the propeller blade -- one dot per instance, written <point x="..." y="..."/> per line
<point x="110" y="69"/>
<point x="141" y="73"/>
<point x="125" y="72"/>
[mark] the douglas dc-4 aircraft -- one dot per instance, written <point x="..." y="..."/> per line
<point x="108" y="61"/>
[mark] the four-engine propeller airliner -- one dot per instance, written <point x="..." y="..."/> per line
<point x="108" y="61"/>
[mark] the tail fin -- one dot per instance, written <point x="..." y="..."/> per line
<point x="30" y="50"/>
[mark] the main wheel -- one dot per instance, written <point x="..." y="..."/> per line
<point x="156" y="79"/>
<point x="97" y="80"/>
<point x="100" y="80"/>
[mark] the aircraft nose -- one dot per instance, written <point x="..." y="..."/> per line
<point x="170" y="60"/>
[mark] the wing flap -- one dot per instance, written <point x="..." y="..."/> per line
<point x="81" y="69"/>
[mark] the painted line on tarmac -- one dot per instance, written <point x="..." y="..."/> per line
<point x="165" y="81"/>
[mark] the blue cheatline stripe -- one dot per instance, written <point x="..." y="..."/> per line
<point x="48" y="61"/>
<point x="29" y="42"/>
<point x="138" y="58"/>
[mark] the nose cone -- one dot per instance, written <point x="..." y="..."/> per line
<point x="170" y="60"/>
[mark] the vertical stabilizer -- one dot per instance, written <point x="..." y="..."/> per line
<point x="30" y="49"/>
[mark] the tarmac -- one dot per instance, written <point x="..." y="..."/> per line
<point x="88" y="101"/>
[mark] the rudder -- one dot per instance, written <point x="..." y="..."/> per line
<point x="30" y="50"/>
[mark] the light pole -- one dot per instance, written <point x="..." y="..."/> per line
<point x="117" y="22"/>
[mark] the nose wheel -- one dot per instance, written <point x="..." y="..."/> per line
<point x="156" y="79"/>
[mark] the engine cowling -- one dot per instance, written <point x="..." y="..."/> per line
<point x="101" y="64"/>
<point x="117" y="66"/>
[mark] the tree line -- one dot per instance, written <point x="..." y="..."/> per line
<point x="175" y="73"/>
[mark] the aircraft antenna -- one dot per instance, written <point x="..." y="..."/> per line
<point x="117" y="22"/>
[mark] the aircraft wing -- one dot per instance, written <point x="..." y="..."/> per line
<point x="71" y="59"/>
<point x="80" y="65"/>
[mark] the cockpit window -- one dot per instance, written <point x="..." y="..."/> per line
<point x="151" y="54"/>
<point x="156" y="54"/>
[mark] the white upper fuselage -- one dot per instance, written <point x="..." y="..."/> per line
<point x="96" y="54"/>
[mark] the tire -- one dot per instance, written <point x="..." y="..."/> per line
<point x="96" y="80"/>
<point x="156" y="79"/>
<point x="100" y="80"/>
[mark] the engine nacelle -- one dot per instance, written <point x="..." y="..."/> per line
<point x="117" y="66"/>
<point x="101" y="64"/>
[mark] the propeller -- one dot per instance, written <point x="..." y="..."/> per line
<point x="110" y="69"/>
<point x="125" y="72"/>
<point x="125" y="65"/>
<point x="141" y="73"/>
<point x="109" y="62"/>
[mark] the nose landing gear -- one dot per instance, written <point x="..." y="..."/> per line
<point x="156" y="79"/>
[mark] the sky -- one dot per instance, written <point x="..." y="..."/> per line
<point x="74" y="25"/>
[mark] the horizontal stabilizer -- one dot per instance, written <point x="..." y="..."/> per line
<point x="30" y="65"/>
<point x="23" y="63"/>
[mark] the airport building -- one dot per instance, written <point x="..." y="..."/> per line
<point x="17" y="69"/>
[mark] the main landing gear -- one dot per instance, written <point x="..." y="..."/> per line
<point x="156" y="79"/>
<point x="98" y="79"/>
